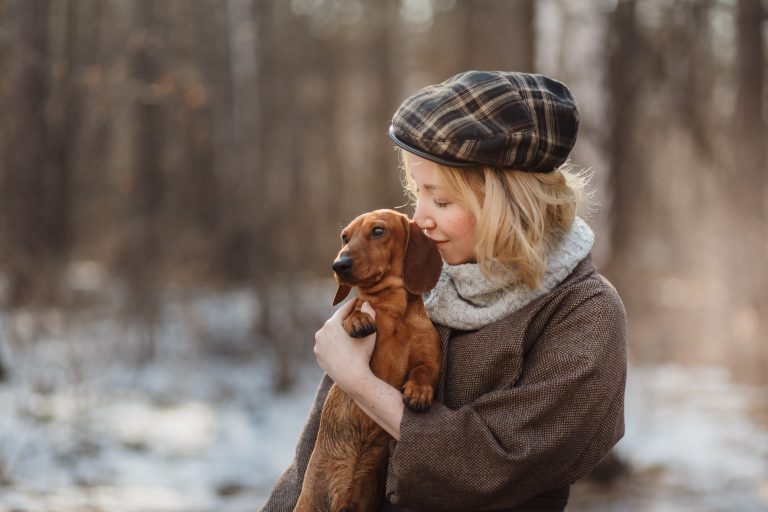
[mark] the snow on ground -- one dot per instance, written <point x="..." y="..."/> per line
<point x="84" y="429"/>
<point x="128" y="450"/>
<point x="693" y="442"/>
<point x="695" y="423"/>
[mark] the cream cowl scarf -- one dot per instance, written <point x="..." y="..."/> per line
<point x="464" y="298"/>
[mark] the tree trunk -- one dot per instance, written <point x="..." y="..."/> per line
<point x="626" y="162"/>
<point x="65" y="116"/>
<point x="274" y="202"/>
<point x="748" y="182"/>
<point x="26" y="255"/>
<point x="500" y="35"/>
<point x="142" y="251"/>
<point x="750" y="135"/>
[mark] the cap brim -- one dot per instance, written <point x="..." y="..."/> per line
<point x="428" y="156"/>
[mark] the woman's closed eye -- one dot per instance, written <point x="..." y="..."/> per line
<point x="440" y="204"/>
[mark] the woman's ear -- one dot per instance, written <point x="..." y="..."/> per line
<point x="422" y="263"/>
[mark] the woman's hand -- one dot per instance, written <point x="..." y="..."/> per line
<point x="344" y="358"/>
<point x="347" y="361"/>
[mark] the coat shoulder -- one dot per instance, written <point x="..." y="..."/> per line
<point x="585" y="286"/>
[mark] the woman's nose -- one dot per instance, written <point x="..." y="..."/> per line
<point x="421" y="217"/>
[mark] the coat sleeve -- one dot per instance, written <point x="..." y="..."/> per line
<point x="550" y="428"/>
<point x="286" y="491"/>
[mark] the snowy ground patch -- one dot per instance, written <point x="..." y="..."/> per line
<point x="693" y="444"/>
<point x="85" y="429"/>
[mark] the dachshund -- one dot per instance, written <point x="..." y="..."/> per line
<point x="391" y="262"/>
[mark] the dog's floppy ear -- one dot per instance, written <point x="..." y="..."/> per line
<point x="341" y="293"/>
<point x="422" y="263"/>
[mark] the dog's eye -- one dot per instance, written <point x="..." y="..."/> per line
<point x="344" y="239"/>
<point x="377" y="232"/>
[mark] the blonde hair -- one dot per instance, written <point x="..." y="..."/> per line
<point x="520" y="215"/>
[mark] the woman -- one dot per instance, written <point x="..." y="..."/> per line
<point x="534" y="339"/>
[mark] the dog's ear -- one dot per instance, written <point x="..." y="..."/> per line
<point x="422" y="263"/>
<point x="341" y="293"/>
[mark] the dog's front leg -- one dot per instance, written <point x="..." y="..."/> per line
<point x="424" y="365"/>
<point x="359" y="324"/>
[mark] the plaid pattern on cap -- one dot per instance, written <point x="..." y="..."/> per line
<point x="502" y="119"/>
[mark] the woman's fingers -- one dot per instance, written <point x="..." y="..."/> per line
<point x="344" y="310"/>
<point x="367" y="308"/>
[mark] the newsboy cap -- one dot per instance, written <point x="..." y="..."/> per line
<point x="498" y="118"/>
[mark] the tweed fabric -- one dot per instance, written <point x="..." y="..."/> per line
<point x="464" y="298"/>
<point x="502" y="119"/>
<point x="526" y="404"/>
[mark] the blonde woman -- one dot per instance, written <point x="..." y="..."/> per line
<point x="534" y="340"/>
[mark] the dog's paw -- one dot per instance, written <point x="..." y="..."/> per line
<point x="359" y="325"/>
<point x="417" y="397"/>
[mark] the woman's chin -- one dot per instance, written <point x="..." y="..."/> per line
<point x="453" y="259"/>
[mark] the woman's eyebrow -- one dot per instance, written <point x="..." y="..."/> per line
<point x="425" y="186"/>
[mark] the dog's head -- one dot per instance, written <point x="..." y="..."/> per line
<point x="381" y="244"/>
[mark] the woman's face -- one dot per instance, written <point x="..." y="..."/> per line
<point x="451" y="226"/>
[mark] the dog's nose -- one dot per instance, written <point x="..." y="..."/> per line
<point x="342" y="265"/>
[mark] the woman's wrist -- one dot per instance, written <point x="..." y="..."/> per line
<point x="352" y="379"/>
<point x="380" y="401"/>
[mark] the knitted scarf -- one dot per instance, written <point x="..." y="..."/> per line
<point x="464" y="298"/>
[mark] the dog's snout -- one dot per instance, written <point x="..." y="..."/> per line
<point x="342" y="265"/>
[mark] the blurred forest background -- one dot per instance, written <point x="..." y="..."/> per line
<point x="157" y="149"/>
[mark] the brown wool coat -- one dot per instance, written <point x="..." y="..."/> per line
<point x="526" y="404"/>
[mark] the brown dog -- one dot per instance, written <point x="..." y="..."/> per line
<point x="391" y="263"/>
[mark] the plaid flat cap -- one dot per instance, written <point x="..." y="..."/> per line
<point x="498" y="118"/>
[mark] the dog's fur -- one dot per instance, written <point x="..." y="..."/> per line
<point x="391" y="263"/>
